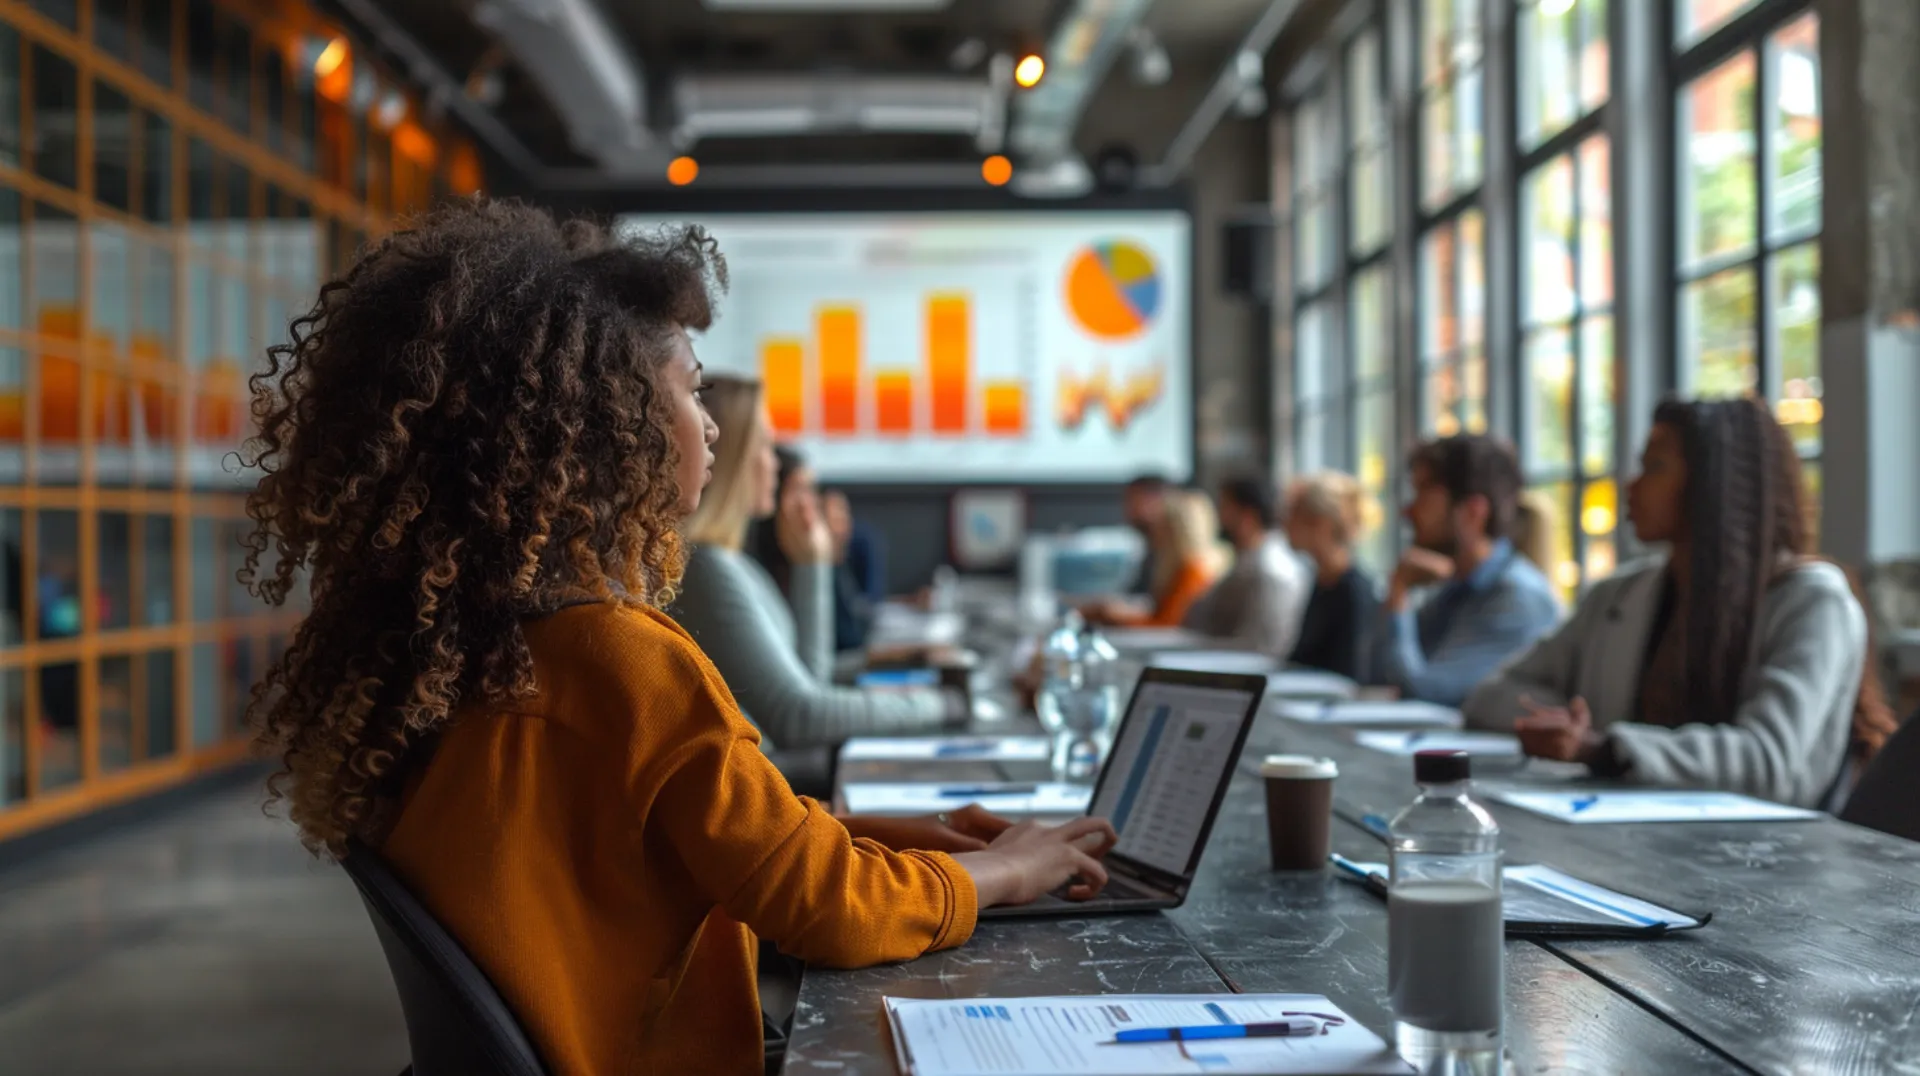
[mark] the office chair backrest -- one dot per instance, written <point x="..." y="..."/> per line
<point x="1887" y="797"/>
<point x="457" y="1024"/>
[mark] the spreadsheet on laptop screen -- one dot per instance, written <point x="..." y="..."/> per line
<point x="1173" y="752"/>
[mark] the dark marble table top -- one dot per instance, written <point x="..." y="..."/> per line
<point x="1811" y="963"/>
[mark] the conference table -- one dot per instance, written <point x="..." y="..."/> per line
<point x="1811" y="963"/>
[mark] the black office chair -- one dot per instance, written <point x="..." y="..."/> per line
<point x="457" y="1024"/>
<point x="1887" y="796"/>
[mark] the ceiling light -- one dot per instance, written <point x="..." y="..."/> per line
<point x="1028" y="72"/>
<point x="332" y="55"/>
<point x="682" y="171"/>
<point x="996" y="170"/>
<point x="391" y="109"/>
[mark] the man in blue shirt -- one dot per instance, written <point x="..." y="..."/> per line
<point x="1484" y="602"/>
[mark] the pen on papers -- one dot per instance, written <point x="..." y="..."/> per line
<point x="1582" y="804"/>
<point x="1370" y="879"/>
<point x="1374" y="824"/>
<point x="1278" y="1029"/>
<point x="965" y="747"/>
<point x="990" y="790"/>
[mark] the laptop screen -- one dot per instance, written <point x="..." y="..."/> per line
<point x="1173" y="753"/>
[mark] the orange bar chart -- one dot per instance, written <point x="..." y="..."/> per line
<point x="949" y="354"/>
<point x="893" y="402"/>
<point x="783" y="375"/>
<point x="837" y="336"/>
<point x="1005" y="403"/>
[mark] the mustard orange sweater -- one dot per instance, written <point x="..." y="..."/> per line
<point x="607" y="850"/>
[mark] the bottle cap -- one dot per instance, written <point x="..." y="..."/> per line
<point x="1441" y="767"/>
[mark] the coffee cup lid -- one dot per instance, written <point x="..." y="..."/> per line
<point x="1299" y="767"/>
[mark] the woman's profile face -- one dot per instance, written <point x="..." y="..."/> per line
<point x="1657" y="496"/>
<point x="693" y="429"/>
<point x="763" y="467"/>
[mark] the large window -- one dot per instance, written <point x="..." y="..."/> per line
<point x="155" y="237"/>
<point x="1567" y="383"/>
<point x="1343" y="327"/>
<point x="1747" y="118"/>
<point x="1452" y="309"/>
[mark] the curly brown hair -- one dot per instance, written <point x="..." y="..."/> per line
<point x="465" y="431"/>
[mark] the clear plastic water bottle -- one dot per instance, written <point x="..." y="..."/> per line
<point x="1060" y="674"/>
<point x="1446" y="954"/>
<point x="1088" y="722"/>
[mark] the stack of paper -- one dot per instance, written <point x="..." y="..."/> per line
<point x="886" y="798"/>
<point x="1048" y="1036"/>
<point x="1495" y="744"/>
<point x="1381" y="714"/>
<point x="1588" y="807"/>
<point x="946" y="748"/>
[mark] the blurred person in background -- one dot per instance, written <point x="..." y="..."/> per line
<point x="860" y="573"/>
<point x="1484" y="602"/>
<point x="1187" y="557"/>
<point x="1258" y="603"/>
<point x="775" y="648"/>
<point x="1735" y="661"/>
<point x="1142" y="504"/>
<point x="1534" y="524"/>
<point x="1324" y="519"/>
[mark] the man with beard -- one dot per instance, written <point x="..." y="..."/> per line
<point x="1485" y="601"/>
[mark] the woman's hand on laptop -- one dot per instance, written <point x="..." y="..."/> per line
<point x="965" y="830"/>
<point x="1029" y="860"/>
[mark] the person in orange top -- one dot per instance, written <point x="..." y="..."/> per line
<point x="479" y="448"/>
<point x="1187" y="559"/>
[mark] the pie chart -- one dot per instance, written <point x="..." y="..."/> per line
<point x="1113" y="289"/>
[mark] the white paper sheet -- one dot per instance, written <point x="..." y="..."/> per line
<point x="886" y="798"/>
<point x="947" y="748"/>
<point x="1309" y="684"/>
<point x="1599" y="807"/>
<point x="1385" y="714"/>
<point x="1222" y="661"/>
<point x="1485" y="744"/>
<point x="1048" y="1036"/>
<point x="1137" y="639"/>
<point x="1535" y="892"/>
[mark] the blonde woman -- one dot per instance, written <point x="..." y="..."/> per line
<point x="1325" y="516"/>
<point x="775" y="650"/>
<point x="1187" y="558"/>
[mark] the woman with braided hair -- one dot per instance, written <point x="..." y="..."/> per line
<point x="1736" y="661"/>
<point x="479" y="450"/>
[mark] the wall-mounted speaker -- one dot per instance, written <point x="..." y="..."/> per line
<point x="1246" y="250"/>
<point x="1116" y="168"/>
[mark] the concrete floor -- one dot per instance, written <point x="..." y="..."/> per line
<point x="204" y="941"/>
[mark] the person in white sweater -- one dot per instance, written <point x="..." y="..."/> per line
<point x="774" y="649"/>
<point x="1736" y="661"/>
<point x="1260" y="601"/>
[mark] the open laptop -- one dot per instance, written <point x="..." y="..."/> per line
<point x="1161" y="788"/>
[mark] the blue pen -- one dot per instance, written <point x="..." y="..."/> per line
<point x="965" y="747"/>
<point x="1582" y="804"/>
<point x="990" y="790"/>
<point x="1278" y="1029"/>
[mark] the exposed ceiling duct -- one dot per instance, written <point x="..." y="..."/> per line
<point x="1084" y="46"/>
<point x="575" y="56"/>
<point x="756" y="106"/>
<point x="1243" y="76"/>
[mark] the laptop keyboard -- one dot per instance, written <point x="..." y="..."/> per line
<point x="1117" y="888"/>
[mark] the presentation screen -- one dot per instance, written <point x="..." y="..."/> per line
<point x="971" y="347"/>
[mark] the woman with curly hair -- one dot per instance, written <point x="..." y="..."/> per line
<point x="1737" y="661"/>
<point x="478" y="449"/>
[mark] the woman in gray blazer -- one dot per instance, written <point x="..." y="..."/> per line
<point x="1735" y="662"/>
<point x="774" y="649"/>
